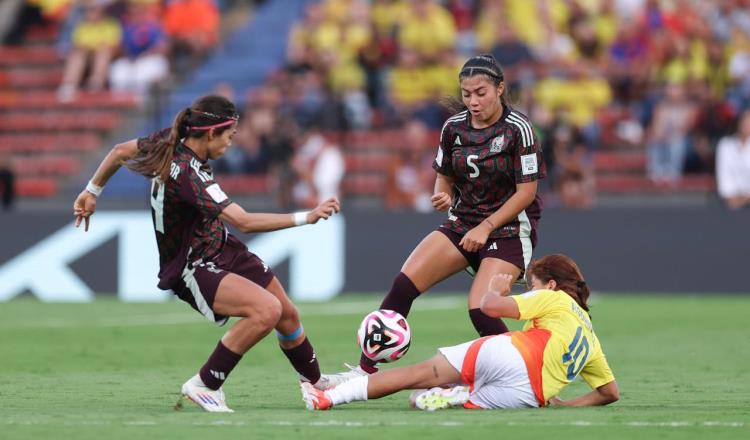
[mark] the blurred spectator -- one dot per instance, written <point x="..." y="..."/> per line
<point x="410" y="177"/>
<point x="573" y="174"/>
<point x="733" y="165"/>
<point x="319" y="165"/>
<point x="95" y="41"/>
<point x="18" y="16"/>
<point x="143" y="47"/>
<point x="7" y="185"/>
<point x="427" y="29"/>
<point x="193" y="29"/>
<point x="667" y="146"/>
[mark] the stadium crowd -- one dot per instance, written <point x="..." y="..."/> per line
<point x="669" y="76"/>
<point x="665" y="78"/>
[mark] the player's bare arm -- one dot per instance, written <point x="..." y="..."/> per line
<point x="85" y="204"/>
<point x="603" y="395"/>
<point x="496" y="303"/>
<point x="442" y="199"/>
<point x="248" y="222"/>
<point x="477" y="236"/>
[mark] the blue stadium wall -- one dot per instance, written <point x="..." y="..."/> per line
<point x="653" y="250"/>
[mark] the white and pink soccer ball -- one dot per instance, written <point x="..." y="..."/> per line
<point x="384" y="336"/>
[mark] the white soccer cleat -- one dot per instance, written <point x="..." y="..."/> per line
<point x="328" y="381"/>
<point x="203" y="396"/>
<point x="440" y="398"/>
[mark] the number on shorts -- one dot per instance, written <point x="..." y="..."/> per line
<point x="578" y="352"/>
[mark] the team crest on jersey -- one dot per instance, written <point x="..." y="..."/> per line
<point x="497" y="144"/>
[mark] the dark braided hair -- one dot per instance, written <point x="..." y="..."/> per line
<point x="566" y="274"/>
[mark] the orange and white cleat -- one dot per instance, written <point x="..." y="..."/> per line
<point x="315" y="399"/>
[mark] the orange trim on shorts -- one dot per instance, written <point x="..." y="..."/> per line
<point x="469" y="366"/>
<point x="531" y="344"/>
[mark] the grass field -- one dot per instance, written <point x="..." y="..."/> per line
<point x="113" y="370"/>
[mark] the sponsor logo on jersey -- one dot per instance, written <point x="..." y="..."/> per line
<point x="497" y="144"/>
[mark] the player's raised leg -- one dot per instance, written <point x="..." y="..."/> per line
<point x="430" y="373"/>
<point x="433" y="260"/>
<point x="260" y="312"/>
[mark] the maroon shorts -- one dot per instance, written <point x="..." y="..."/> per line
<point x="200" y="279"/>
<point x="516" y="251"/>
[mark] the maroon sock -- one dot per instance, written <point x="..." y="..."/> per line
<point x="218" y="366"/>
<point x="486" y="325"/>
<point x="303" y="359"/>
<point x="399" y="299"/>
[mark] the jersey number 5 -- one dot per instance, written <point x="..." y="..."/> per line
<point x="470" y="162"/>
<point x="578" y="352"/>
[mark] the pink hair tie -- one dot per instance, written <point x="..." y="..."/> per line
<point x="221" y="124"/>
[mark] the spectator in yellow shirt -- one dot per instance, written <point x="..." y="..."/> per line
<point x="95" y="41"/>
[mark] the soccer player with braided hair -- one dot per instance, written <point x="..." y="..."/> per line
<point x="200" y="261"/>
<point x="488" y="163"/>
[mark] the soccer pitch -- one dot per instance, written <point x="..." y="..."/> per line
<point x="113" y="370"/>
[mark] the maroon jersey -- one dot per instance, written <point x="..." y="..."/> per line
<point x="486" y="164"/>
<point x="185" y="212"/>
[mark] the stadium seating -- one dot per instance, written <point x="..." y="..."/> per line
<point x="45" y="140"/>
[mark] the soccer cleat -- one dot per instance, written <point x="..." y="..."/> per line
<point x="315" y="399"/>
<point x="440" y="398"/>
<point x="208" y="399"/>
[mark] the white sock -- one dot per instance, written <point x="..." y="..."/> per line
<point x="349" y="391"/>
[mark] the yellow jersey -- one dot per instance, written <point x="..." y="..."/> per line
<point x="558" y="343"/>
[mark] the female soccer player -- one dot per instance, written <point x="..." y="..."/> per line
<point x="488" y="164"/>
<point x="524" y="369"/>
<point x="200" y="261"/>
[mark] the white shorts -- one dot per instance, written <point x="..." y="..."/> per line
<point x="497" y="376"/>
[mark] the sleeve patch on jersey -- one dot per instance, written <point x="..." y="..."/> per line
<point x="528" y="164"/>
<point x="439" y="158"/>
<point x="216" y="193"/>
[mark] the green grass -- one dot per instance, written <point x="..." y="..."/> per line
<point x="112" y="370"/>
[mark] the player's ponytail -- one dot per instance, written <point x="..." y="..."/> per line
<point x="566" y="274"/>
<point x="207" y="113"/>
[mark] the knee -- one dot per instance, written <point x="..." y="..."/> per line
<point x="269" y="313"/>
<point x="291" y="315"/>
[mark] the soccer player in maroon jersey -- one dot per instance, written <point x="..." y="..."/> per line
<point x="200" y="261"/>
<point x="488" y="164"/>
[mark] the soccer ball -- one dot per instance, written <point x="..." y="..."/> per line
<point x="384" y="336"/>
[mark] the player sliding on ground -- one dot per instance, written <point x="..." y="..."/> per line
<point x="522" y="369"/>
<point x="200" y="261"/>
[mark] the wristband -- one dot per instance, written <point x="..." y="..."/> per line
<point x="300" y="218"/>
<point x="94" y="189"/>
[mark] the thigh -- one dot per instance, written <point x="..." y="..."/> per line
<point x="433" y="260"/>
<point x="240" y="297"/>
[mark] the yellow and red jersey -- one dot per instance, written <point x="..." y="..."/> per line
<point x="558" y="343"/>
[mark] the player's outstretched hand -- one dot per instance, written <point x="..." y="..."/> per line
<point x="83" y="208"/>
<point x="500" y="284"/>
<point x="441" y="201"/>
<point x="324" y="210"/>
